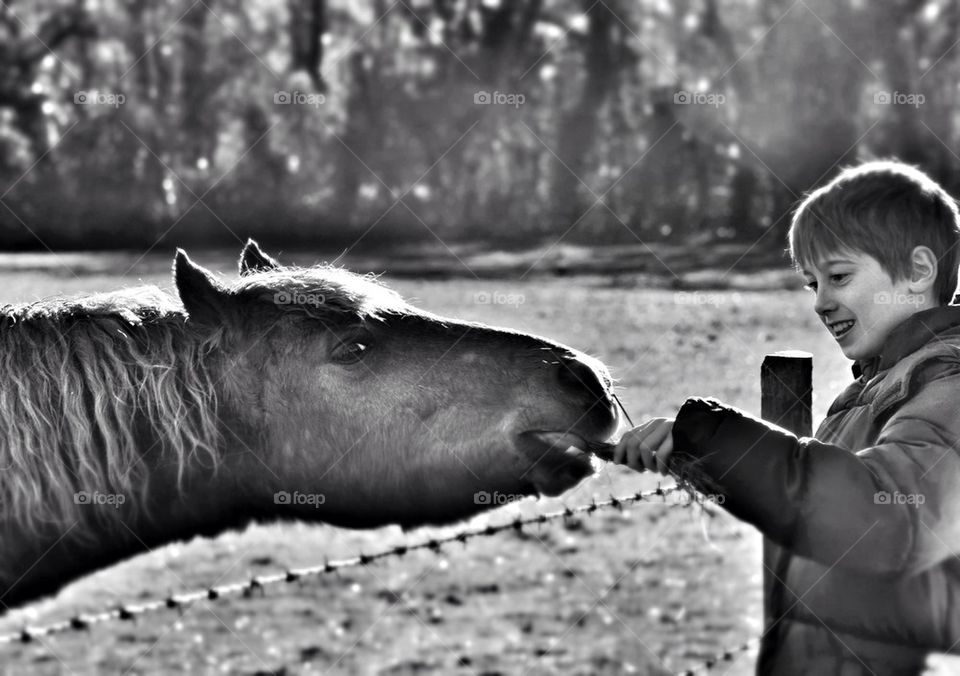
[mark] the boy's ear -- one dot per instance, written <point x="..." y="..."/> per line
<point x="923" y="269"/>
<point x="206" y="301"/>
<point x="252" y="259"/>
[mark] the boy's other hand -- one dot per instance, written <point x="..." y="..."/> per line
<point x="647" y="446"/>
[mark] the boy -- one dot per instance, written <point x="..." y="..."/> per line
<point x="866" y="516"/>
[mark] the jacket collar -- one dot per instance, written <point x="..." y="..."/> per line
<point x="910" y="335"/>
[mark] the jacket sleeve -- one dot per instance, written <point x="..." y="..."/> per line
<point x="891" y="509"/>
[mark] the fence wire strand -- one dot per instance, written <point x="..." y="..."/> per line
<point x="259" y="583"/>
<point x="725" y="657"/>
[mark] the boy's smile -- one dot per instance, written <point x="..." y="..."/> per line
<point x="859" y="302"/>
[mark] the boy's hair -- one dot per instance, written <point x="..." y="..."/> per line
<point x="883" y="209"/>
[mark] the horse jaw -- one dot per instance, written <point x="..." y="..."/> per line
<point x="559" y="470"/>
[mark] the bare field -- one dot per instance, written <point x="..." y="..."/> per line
<point x="652" y="589"/>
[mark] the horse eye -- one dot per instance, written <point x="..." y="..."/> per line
<point x="350" y="352"/>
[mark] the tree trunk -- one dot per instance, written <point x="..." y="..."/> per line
<point x="199" y="123"/>
<point x="308" y="23"/>
<point x="578" y="127"/>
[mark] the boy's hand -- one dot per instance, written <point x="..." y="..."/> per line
<point x="647" y="446"/>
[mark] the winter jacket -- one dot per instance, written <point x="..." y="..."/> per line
<point x="867" y="513"/>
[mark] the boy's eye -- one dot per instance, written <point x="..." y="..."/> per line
<point x="836" y="278"/>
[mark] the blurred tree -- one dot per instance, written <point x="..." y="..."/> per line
<point x="22" y="52"/>
<point x="199" y="124"/>
<point x="308" y="23"/>
<point x="487" y="119"/>
<point x="604" y="55"/>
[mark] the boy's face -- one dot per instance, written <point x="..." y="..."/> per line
<point x="859" y="302"/>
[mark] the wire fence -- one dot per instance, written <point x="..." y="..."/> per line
<point x="259" y="583"/>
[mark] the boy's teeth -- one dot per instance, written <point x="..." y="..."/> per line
<point x="841" y="327"/>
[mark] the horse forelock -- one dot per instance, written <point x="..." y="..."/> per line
<point x="323" y="292"/>
<point x="88" y="384"/>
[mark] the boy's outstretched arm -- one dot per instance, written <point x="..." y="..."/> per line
<point x="888" y="509"/>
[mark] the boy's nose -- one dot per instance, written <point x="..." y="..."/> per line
<point x="824" y="303"/>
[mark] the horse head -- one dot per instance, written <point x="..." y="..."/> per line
<point x="359" y="409"/>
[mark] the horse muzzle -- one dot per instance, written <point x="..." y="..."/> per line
<point x="558" y="460"/>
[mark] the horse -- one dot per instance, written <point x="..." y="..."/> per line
<point x="132" y="419"/>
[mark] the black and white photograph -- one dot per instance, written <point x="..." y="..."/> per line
<point x="480" y="337"/>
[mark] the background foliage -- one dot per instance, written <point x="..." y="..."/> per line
<point x="128" y="122"/>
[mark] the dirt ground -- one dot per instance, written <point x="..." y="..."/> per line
<point x="656" y="588"/>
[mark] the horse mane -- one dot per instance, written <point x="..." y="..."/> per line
<point x="85" y="380"/>
<point x="79" y="376"/>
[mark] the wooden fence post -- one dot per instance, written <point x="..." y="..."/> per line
<point x="786" y="393"/>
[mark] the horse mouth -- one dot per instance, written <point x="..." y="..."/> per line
<point x="559" y="460"/>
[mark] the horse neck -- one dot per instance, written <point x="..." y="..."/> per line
<point x="36" y="563"/>
<point x="179" y="487"/>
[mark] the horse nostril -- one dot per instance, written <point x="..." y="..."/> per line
<point x="577" y="375"/>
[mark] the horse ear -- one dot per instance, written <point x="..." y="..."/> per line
<point x="252" y="259"/>
<point x="202" y="296"/>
